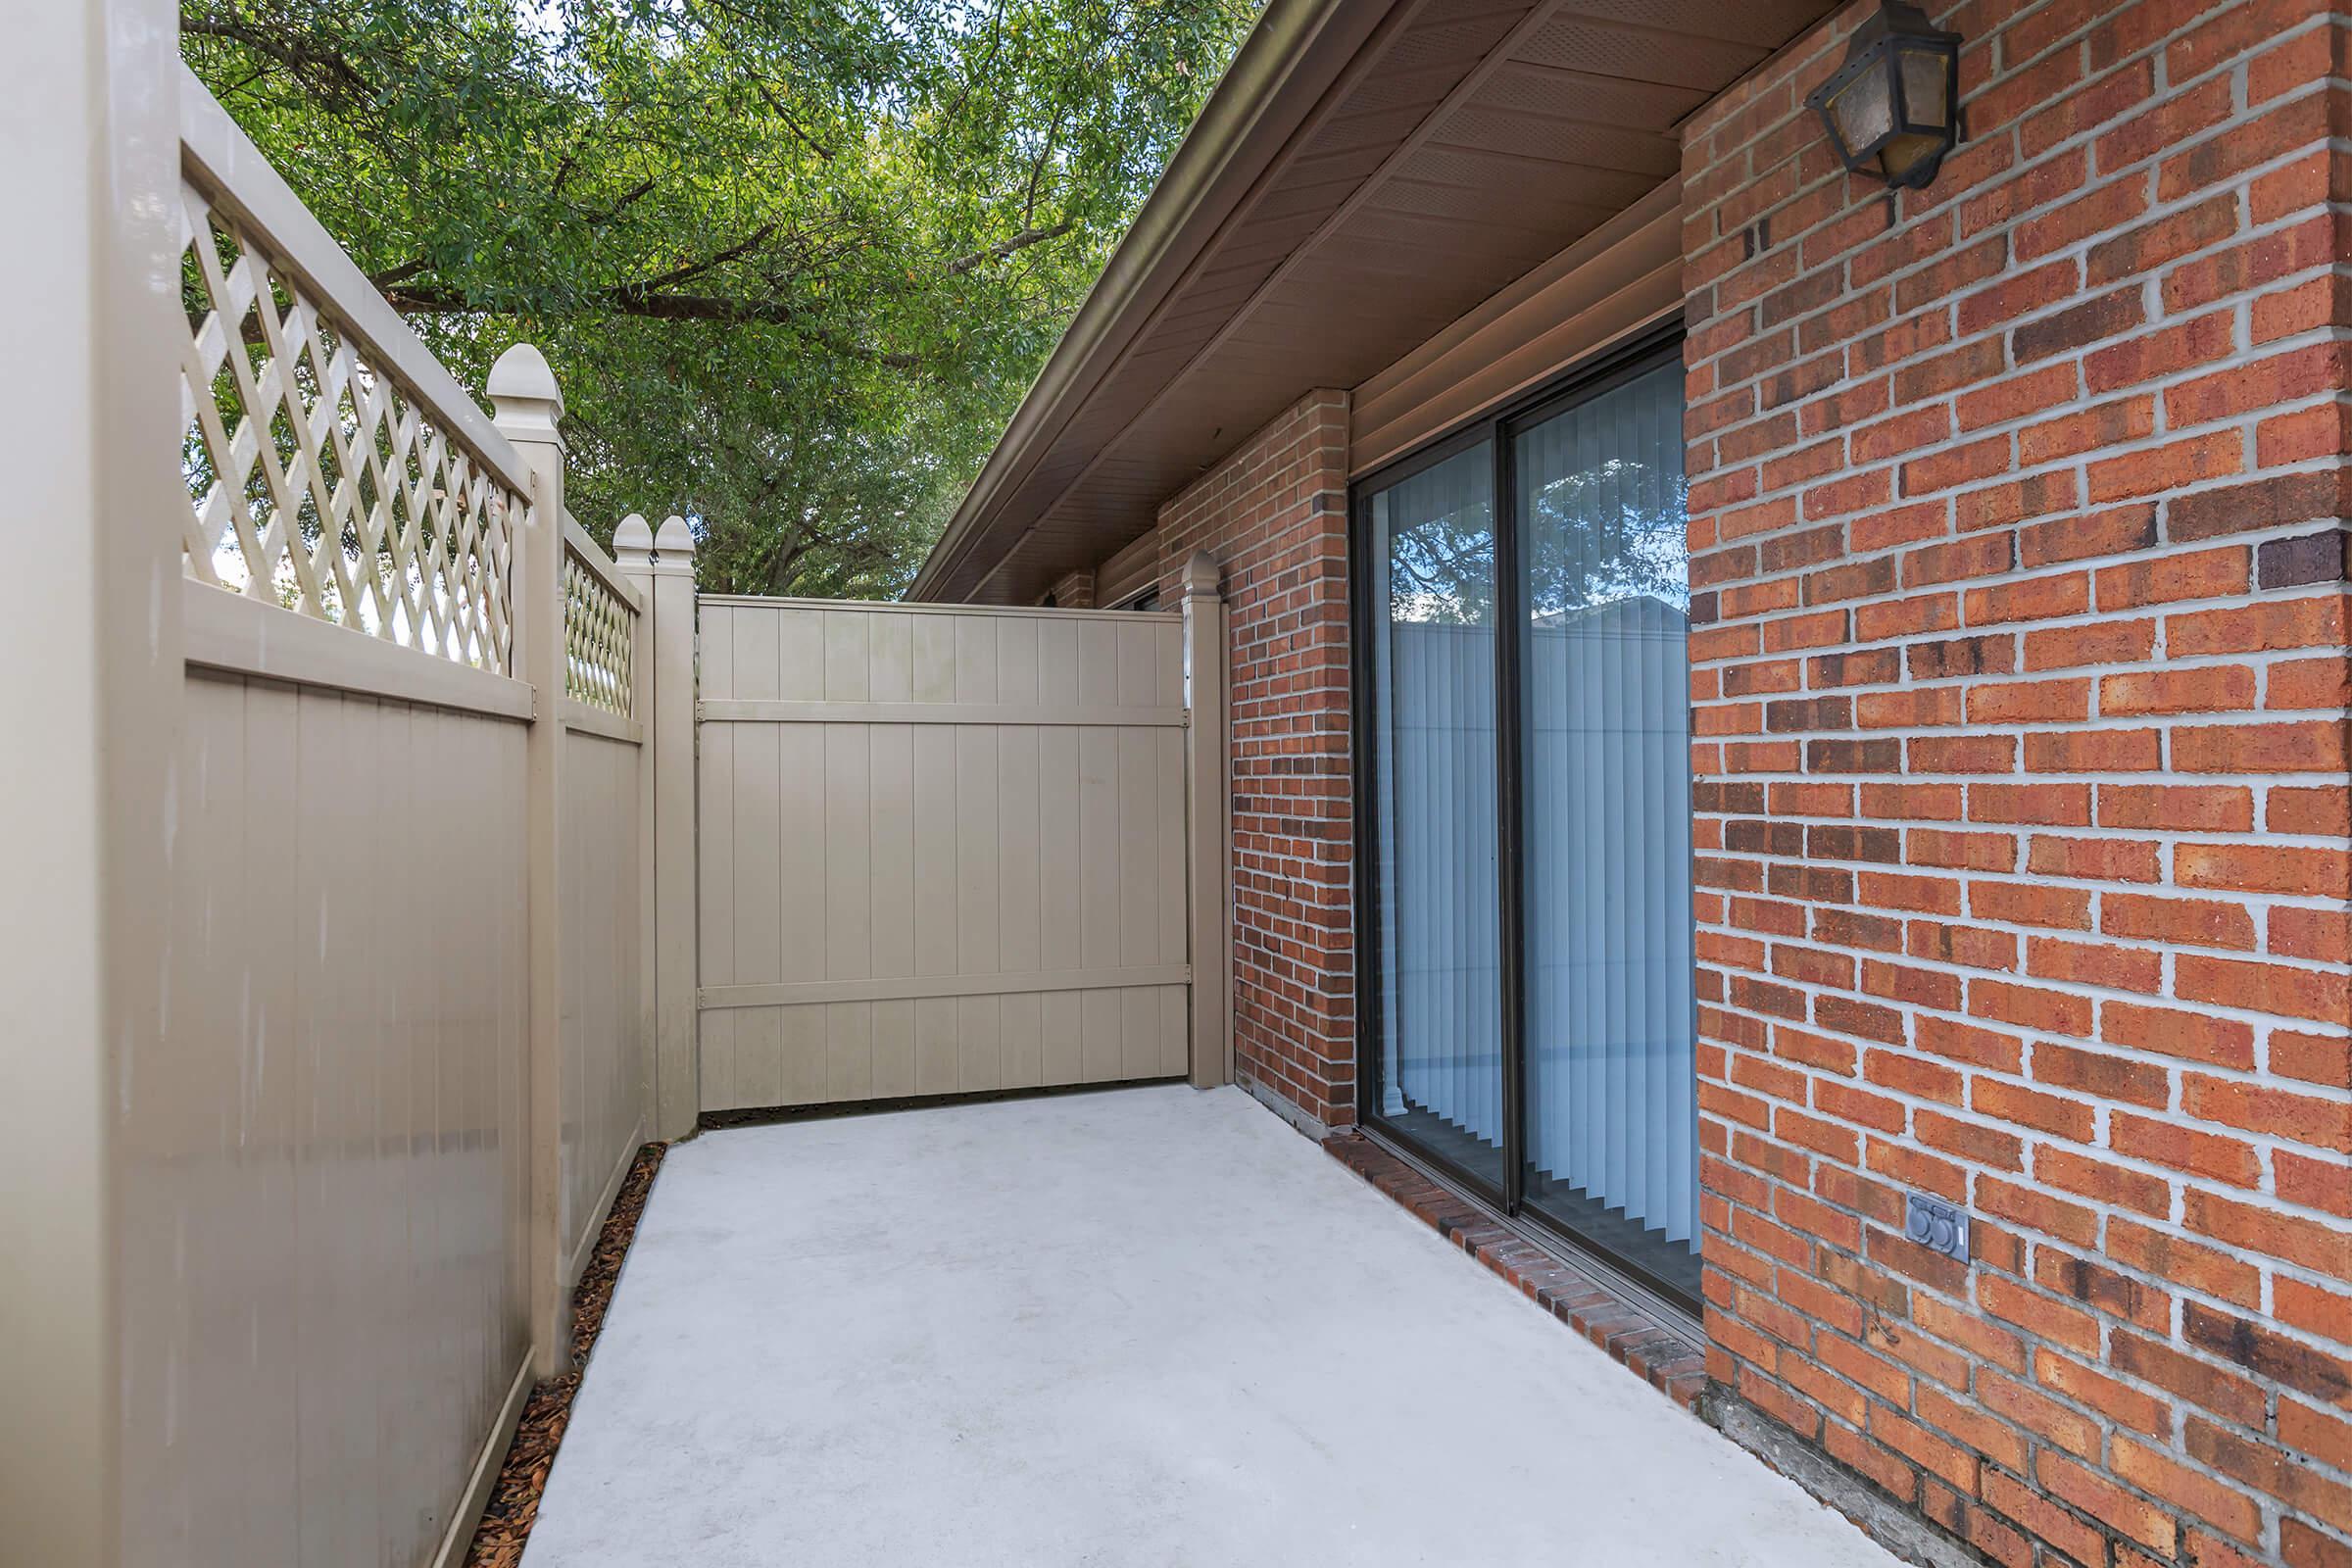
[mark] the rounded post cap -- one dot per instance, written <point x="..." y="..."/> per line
<point x="522" y="375"/>
<point x="675" y="538"/>
<point x="1200" y="574"/>
<point x="633" y="539"/>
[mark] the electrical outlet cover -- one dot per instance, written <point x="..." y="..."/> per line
<point x="1936" y="1225"/>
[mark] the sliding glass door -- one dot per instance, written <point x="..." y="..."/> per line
<point x="1433" y="651"/>
<point x="1530" y="879"/>
<point x="1612" y="1087"/>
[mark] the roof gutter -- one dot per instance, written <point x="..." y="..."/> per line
<point x="1284" y="68"/>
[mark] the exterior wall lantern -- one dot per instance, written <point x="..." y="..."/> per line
<point x="1893" y="106"/>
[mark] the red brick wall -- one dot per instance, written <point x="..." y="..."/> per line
<point x="1274" y="514"/>
<point x="2021" y="748"/>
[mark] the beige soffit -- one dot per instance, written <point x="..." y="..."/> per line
<point x="1460" y="148"/>
<point x="1623" y="277"/>
<point x="1290" y="58"/>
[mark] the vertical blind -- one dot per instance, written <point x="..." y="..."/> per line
<point x="1612" y="1116"/>
<point x="1607" y="1136"/>
<point x="1435" y="731"/>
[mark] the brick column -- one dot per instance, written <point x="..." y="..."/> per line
<point x="1274" y="517"/>
<point x="1075" y="590"/>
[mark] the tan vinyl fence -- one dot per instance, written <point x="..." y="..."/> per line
<point x="401" y="1052"/>
<point x="942" y="850"/>
<point x="354" y="940"/>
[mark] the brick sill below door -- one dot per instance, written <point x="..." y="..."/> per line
<point x="1657" y="1341"/>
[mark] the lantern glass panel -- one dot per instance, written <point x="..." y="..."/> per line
<point x="1927" y="77"/>
<point x="1864" y="110"/>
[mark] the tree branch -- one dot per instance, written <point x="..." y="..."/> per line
<point x="392" y="277"/>
<point x="783" y="115"/>
<point x="1009" y="247"/>
<point x="628" y="198"/>
<point x="1044" y="154"/>
<point x="301" y="55"/>
<point x="646" y="288"/>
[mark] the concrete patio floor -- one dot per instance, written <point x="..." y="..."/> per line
<point x="1146" y="1326"/>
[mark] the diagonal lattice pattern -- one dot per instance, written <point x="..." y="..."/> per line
<point x="598" y="638"/>
<point x="318" y="479"/>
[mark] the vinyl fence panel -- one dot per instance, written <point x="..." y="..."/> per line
<point x="942" y="851"/>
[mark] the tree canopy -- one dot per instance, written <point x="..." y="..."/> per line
<point x="794" y="261"/>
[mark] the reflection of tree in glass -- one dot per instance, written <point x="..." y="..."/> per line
<point x="1441" y="571"/>
<point x="1611" y="531"/>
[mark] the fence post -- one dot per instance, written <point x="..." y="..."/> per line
<point x="1207" y="799"/>
<point x="90" y="425"/>
<point x="662" y="569"/>
<point x="528" y="404"/>
<point x="632" y="553"/>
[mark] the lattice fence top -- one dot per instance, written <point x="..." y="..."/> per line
<point x="320" y="479"/>
<point x="598" y="638"/>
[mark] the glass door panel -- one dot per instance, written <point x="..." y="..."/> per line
<point x="1611" y="1149"/>
<point x="1433" y="628"/>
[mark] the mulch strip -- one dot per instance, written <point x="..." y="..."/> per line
<point x="514" y="1507"/>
